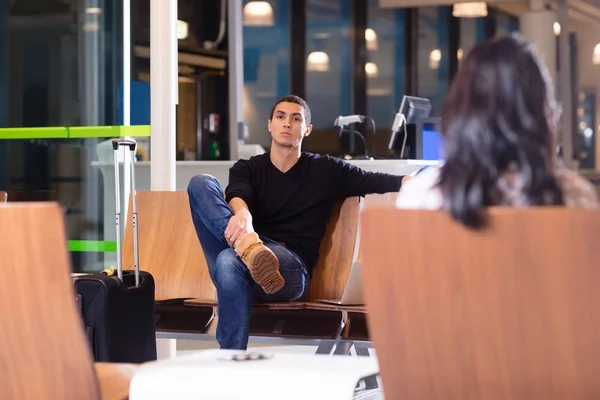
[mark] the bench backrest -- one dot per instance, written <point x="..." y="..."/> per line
<point x="341" y="246"/>
<point x="507" y="313"/>
<point x="337" y="252"/>
<point x="43" y="351"/>
<point x="168" y="246"/>
<point x="374" y="200"/>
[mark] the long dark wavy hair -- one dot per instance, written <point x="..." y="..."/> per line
<point x="499" y="115"/>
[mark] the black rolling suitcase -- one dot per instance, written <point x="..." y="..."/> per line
<point x="118" y="311"/>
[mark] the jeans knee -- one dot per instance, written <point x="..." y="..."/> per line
<point x="201" y="181"/>
<point x="200" y="184"/>
<point x="229" y="271"/>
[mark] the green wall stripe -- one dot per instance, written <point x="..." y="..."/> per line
<point x="75" y="132"/>
<point x="96" y="246"/>
<point x="82" y="132"/>
<point x="34" y="133"/>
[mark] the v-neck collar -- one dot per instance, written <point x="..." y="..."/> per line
<point x="294" y="167"/>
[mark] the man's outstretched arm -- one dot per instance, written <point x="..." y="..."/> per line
<point x="354" y="181"/>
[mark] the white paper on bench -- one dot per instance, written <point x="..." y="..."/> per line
<point x="210" y="375"/>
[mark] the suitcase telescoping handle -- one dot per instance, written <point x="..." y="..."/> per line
<point x="132" y="145"/>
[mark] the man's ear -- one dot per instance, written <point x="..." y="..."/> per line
<point x="308" y="130"/>
<point x="269" y="125"/>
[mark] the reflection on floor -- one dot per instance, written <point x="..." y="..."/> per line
<point x="362" y="392"/>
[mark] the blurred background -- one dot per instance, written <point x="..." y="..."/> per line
<point x="62" y="66"/>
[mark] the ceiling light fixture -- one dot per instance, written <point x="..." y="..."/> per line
<point x="258" y="13"/>
<point x="470" y="10"/>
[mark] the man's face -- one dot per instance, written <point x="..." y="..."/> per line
<point x="288" y="126"/>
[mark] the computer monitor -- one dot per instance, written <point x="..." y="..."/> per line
<point x="413" y="109"/>
<point x="428" y="140"/>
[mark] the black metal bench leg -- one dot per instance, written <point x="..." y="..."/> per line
<point x="362" y="350"/>
<point x="343" y="347"/>
<point x="325" y="346"/>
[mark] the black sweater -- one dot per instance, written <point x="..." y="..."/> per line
<point x="293" y="208"/>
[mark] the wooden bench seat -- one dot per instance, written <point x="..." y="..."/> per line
<point x="168" y="247"/>
<point x="186" y="298"/>
<point x="507" y="313"/>
<point x="169" y="250"/>
<point x="337" y="253"/>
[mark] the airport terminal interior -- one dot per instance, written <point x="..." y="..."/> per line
<point x="104" y="99"/>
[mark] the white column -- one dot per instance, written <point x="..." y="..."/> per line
<point x="235" y="62"/>
<point x="537" y="26"/>
<point x="564" y="84"/>
<point x="163" y="98"/>
<point x="163" y="92"/>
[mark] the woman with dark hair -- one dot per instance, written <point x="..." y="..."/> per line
<point x="499" y="127"/>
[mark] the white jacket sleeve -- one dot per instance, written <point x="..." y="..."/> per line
<point x="421" y="192"/>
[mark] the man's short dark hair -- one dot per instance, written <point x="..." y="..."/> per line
<point x="291" y="98"/>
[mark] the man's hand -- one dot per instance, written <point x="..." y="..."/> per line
<point x="239" y="226"/>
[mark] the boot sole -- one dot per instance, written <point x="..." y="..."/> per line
<point x="264" y="269"/>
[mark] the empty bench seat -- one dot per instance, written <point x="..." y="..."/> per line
<point x="169" y="250"/>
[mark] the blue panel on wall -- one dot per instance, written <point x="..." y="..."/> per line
<point x="282" y="17"/>
<point x="251" y="63"/>
<point x="4" y="145"/>
<point x="444" y="15"/>
<point x="256" y="45"/>
<point x="346" y="61"/>
<point x="4" y="14"/>
<point x="513" y="23"/>
<point x="480" y="30"/>
<point x="399" y="89"/>
<point x="266" y="68"/>
<point x="140" y="103"/>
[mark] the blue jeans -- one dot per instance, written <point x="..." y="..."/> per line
<point x="236" y="290"/>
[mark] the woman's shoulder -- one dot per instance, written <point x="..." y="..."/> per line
<point x="421" y="191"/>
<point x="577" y="190"/>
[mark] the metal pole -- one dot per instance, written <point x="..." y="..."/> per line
<point x="127" y="155"/>
<point x="163" y="92"/>
<point x="235" y="63"/>
<point x="4" y="110"/>
<point x="93" y="16"/>
<point x="564" y="86"/>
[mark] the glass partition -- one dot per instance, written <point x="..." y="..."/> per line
<point x="61" y="100"/>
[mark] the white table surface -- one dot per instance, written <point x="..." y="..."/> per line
<point x="211" y="375"/>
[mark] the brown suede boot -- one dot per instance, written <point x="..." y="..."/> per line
<point x="261" y="261"/>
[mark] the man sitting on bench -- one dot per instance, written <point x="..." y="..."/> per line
<point x="262" y="239"/>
